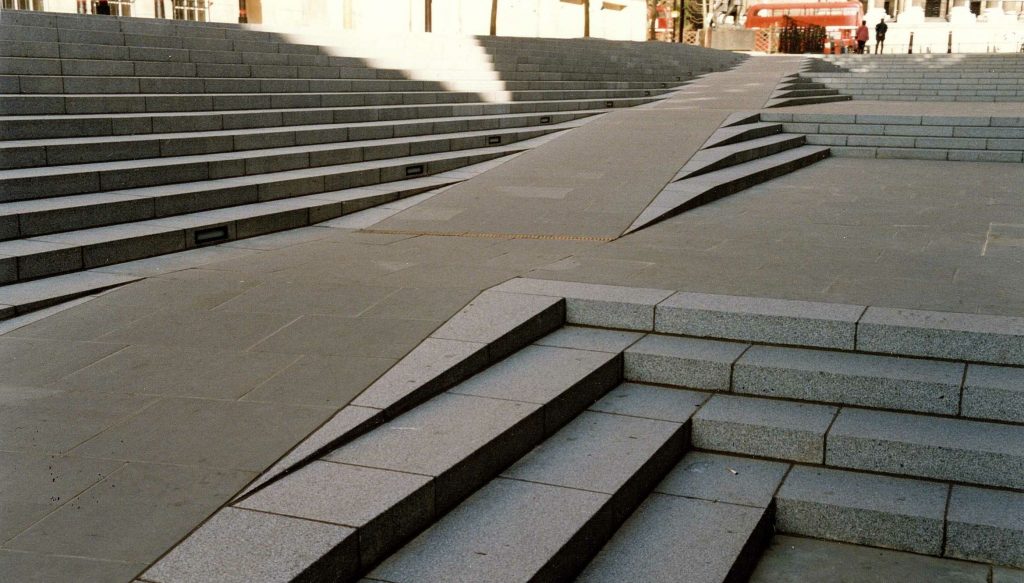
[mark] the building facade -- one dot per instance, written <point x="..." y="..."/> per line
<point x="612" y="19"/>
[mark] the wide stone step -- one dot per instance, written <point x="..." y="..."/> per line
<point x="886" y="382"/>
<point x="806" y="100"/>
<point x="147" y="62"/>
<point x="170" y="102"/>
<point x="919" y="446"/>
<point x="37" y="183"/>
<point x="740" y="133"/>
<point x="63" y="151"/>
<point x="278" y="209"/>
<point x="379" y="490"/>
<point x="706" y="522"/>
<point x="689" y="193"/>
<point x="56" y="126"/>
<point x="34" y="84"/>
<point x="711" y="159"/>
<point x="174" y="43"/>
<point x="552" y="510"/>
<point x="802" y="92"/>
<point x="929" y="518"/>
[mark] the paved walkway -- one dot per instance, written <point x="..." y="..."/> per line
<point x="596" y="180"/>
<point x="126" y="420"/>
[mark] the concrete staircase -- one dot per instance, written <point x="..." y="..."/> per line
<point x="744" y="152"/>
<point x="609" y="434"/>
<point x="960" y="77"/>
<point x="128" y="138"/>
<point x="962" y="138"/>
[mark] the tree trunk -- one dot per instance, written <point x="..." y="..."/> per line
<point x="654" y="19"/>
<point x="494" y="17"/>
<point x="586" y="18"/>
<point x="679" y="26"/>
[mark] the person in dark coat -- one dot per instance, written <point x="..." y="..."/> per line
<point x="880" y="30"/>
<point x="103" y="7"/>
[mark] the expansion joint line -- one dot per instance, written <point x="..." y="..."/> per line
<point x="474" y="235"/>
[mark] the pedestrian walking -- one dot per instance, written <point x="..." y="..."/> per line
<point x="862" y="36"/>
<point x="880" y="29"/>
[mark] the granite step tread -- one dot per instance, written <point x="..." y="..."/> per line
<point x="569" y="492"/>
<point x="389" y="484"/>
<point x="740" y="133"/>
<point x="709" y="518"/>
<point x="712" y="159"/>
<point x="58" y="104"/>
<point x="791" y="101"/>
<point x="689" y="193"/>
<point x="925" y="517"/>
<point x="899" y="444"/>
<point x="65" y="252"/>
<point x="140" y="172"/>
<point x="55" y="126"/>
<point x="64" y="151"/>
<point x="35" y="84"/>
<point x="401" y="166"/>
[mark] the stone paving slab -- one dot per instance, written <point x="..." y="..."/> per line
<point x="233" y="537"/>
<point x="470" y="437"/>
<point x="481" y="540"/>
<point x="503" y="321"/>
<point x="382" y="505"/>
<point x="433" y="366"/>
<point x="613" y="341"/>
<point x="563" y="380"/>
<point x="707" y="538"/>
<point x="722" y="478"/>
<point x="650" y="402"/>
<point x="792" y="559"/>
<point x="600" y="452"/>
<point x="348" y="421"/>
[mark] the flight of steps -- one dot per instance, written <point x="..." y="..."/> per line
<point x="128" y="138"/>
<point x="553" y="431"/>
<point x="960" y="77"/>
<point x="965" y="138"/>
<point x="744" y="152"/>
<point x="797" y="90"/>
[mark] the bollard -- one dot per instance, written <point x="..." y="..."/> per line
<point x="949" y="43"/>
<point x="910" y="47"/>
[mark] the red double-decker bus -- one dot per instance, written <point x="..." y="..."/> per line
<point x="828" y="14"/>
<point x="839" y="18"/>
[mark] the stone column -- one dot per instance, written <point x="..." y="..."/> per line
<point x="875" y="12"/>
<point x="912" y="13"/>
<point x="960" y="13"/>
<point x="992" y="11"/>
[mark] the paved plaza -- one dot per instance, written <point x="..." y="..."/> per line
<point x="832" y="354"/>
